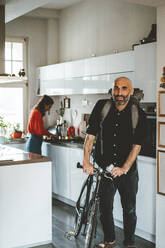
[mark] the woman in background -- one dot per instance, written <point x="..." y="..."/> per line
<point x="36" y="125"/>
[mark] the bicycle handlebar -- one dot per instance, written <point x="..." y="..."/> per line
<point x="79" y="166"/>
<point x="106" y="174"/>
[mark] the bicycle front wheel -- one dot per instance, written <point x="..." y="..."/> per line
<point x="91" y="223"/>
<point x="80" y="209"/>
<point x="82" y="204"/>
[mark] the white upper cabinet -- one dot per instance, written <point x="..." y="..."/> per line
<point x="120" y="62"/>
<point x="78" y="68"/>
<point x="51" y="72"/>
<point x="95" y="66"/>
<point x="145" y="70"/>
<point x="87" y="76"/>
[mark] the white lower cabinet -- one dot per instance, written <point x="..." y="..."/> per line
<point x="21" y="146"/>
<point x="62" y="171"/>
<point x="77" y="177"/>
<point x="67" y="179"/>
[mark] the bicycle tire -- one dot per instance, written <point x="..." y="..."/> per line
<point x="80" y="209"/>
<point x="81" y="205"/>
<point x="91" y="225"/>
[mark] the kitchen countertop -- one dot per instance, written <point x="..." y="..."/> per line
<point x="13" y="156"/>
<point x="67" y="144"/>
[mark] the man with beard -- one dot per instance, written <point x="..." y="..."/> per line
<point x="119" y="144"/>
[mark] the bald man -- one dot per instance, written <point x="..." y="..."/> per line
<point x="120" y="146"/>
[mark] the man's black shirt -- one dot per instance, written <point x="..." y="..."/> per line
<point x="118" y="136"/>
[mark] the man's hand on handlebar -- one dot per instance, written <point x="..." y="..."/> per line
<point x="88" y="168"/>
<point x="117" y="172"/>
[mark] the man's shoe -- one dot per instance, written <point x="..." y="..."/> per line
<point x="105" y="245"/>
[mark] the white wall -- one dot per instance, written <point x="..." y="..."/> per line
<point x="52" y="41"/>
<point x="160" y="200"/>
<point x="99" y="27"/>
<point x="34" y="30"/>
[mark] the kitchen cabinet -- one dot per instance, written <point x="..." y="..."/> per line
<point x="74" y="86"/>
<point x="62" y="171"/>
<point x="67" y="180"/>
<point x="77" y="177"/>
<point x="87" y="76"/>
<point x="47" y="151"/>
<point x="21" y="146"/>
<point x="52" y="87"/>
<point x="145" y="70"/>
<point x="146" y="200"/>
<point x="95" y="66"/>
<point x="121" y="62"/>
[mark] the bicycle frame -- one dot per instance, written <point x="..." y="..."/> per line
<point x="86" y="211"/>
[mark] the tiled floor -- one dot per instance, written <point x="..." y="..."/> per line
<point x="63" y="220"/>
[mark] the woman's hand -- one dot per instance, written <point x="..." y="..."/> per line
<point x="53" y="136"/>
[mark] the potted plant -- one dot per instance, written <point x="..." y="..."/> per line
<point x="3" y="128"/>
<point x="17" y="133"/>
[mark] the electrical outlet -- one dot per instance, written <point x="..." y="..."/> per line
<point x="84" y="102"/>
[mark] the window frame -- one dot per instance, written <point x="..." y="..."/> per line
<point x="24" y="42"/>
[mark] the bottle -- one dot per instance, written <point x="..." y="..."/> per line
<point x="20" y="73"/>
<point x="66" y="102"/>
<point x="23" y="72"/>
<point x="163" y="76"/>
<point x="64" y="129"/>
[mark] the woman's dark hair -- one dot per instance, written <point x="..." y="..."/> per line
<point x="45" y="100"/>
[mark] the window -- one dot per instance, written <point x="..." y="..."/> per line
<point x="15" y="54"/>
<point x="13" y="103"/>
<point x="13" y="94"/>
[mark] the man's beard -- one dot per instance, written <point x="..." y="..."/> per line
<point x="121" y="102"/>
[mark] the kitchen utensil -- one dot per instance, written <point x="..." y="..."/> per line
<point x="73" y="115"/>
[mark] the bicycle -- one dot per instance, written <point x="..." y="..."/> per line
<point x="87" y="206"/>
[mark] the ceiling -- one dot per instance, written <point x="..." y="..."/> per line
<point x="153" y="3"/>
<point x="16" y="8"/>
<point x="59" y="4"/>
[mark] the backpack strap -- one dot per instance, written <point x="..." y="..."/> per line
<point x="134" y="116"/>
<point x="104" y="113"/>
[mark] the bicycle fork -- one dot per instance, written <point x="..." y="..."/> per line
<point x="92" y="221"/>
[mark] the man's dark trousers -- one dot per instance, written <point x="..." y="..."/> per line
<point x="127" y="186"/>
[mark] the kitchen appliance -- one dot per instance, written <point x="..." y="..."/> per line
<point x="58" y="130"/>
<point x="149" y="148"/>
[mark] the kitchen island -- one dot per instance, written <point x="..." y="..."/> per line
<point x="26" y="199"/>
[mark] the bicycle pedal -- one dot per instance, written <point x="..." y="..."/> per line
<point x="70" y="235"/>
